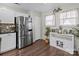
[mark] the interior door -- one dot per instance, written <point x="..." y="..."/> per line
<point x="37" y="28"/>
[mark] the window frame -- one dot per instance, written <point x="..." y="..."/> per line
<point x="69" y="17"/>
<point x="52" y="21"/>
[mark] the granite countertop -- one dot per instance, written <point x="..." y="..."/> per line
<point x="7" y="32"/>
<point x="61" y="34"/>
<point x="66" y="36"/>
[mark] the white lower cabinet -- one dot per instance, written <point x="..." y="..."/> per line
<point x="63" y="42"/>
<point x="8" y="42"/>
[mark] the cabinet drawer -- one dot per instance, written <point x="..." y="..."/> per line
<point x="8" y="42"/>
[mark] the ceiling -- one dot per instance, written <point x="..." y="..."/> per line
<point x="41" y="7"/>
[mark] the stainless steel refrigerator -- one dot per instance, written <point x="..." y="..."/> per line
<point x="24" y="34"/>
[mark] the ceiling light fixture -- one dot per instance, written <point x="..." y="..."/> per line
<point x="17" y="3"/>
<point x="57" y="10"/>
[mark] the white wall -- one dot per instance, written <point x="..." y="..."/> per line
<point x="43" y="25"/>
<point x="36" y="19"/>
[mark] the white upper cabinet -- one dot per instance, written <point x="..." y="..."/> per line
<point x="7" y="16"/>
<point x="20" y="14"/>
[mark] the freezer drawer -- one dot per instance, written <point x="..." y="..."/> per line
<point x="28" y="39"/>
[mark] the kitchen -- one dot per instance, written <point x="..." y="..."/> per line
<point x="8" y="29"/>
<point x="9" y="14"/>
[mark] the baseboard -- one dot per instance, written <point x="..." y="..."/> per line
<point x="7" y="51"/>
<point x="37" y="40"/>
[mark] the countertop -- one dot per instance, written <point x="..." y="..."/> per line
<point x="61" y="34"/>
<point x="7" y="32"/>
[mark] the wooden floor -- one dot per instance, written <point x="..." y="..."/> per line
<point x="39" y="48"/>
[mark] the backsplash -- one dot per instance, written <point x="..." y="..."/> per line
<point x="7" y="27"/>
<point x="63" y="30"/>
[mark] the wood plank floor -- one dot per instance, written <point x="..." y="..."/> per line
<point x="39" y="48"/>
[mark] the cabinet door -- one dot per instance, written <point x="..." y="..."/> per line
<point x="11" y="40"/>
<point x="8" y="42"/>
<point x="69" y="45"/>
<point x="7" y="16"/>
<point x="4" y="43"/>
<point x="52" y="41"/>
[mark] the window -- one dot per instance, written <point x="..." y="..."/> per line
<point x="50" y="21"/>
<point x="68" y="18"/>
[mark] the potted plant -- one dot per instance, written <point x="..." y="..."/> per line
<point x="47" y="34"/>
<point x="76" y="34"/>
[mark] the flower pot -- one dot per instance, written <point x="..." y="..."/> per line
<point x="46" y="41"/>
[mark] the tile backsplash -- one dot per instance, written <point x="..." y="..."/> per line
<point x="7" y="27"/>
<point x="63" y="30"/>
